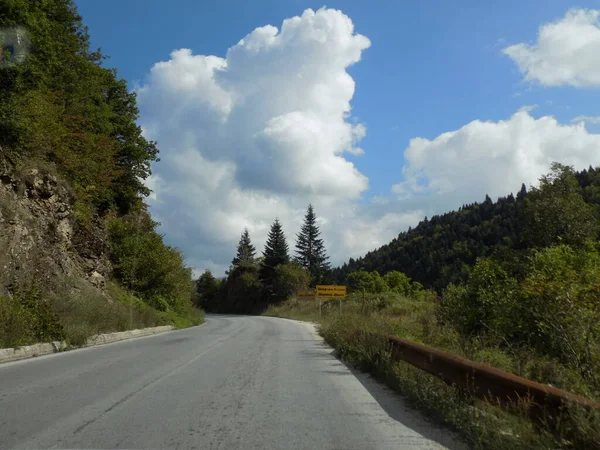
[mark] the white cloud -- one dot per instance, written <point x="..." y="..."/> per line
<point x="566" y="51"/>
<point x="265" y="130"/>
<point x="255" y="135"/>
<point x="369" y="233"/>
<point x="528" y="108"/>
<point x="586" y="119"/>
<point x="461" y="166"/>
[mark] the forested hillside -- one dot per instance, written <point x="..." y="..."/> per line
<point x="83" y="252"/>
<point x="441" y="250"/>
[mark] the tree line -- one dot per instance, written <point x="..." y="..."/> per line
<point x="443" y="249"/>
<point x="253" y="283"/>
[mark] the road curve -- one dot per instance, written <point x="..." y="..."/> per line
<point x="233" y="382"/>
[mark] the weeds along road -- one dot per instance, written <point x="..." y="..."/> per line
<point x="233" y="382"/>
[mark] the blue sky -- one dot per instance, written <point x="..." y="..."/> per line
<point x="431" y="67"/>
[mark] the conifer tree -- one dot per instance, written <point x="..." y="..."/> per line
<point x="310" y="250"/>
<point x="276" y="250"/>
<point x="245" y="251"/>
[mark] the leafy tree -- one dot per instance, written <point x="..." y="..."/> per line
<point x="245" y="251"/>
<point x="310" y="250"/>
<point x="485" y="304"/>
<point x="207" y="287"/>
<point x="369" y="282"/>
<point x="556" y="212"/>
<point x="288" y="279"/>
<point x="144" y="264"/>
<point x="559" y="308"/>
<point x="60" y="105"/>
<point x="398" y="282"/>
<point x="360" y="281"/>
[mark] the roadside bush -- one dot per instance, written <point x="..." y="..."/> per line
<point x="144" y="264"/>
<point x="560" y="301"/>
<point x="288" y="279"/>
<point x="26" y="319"/>
<point x="366" y="281"/>
<point x="398" y="282"/>
<point x="485" y="305"/>
<point x="554" y="310"/>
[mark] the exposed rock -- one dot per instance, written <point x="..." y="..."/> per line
<point x="97" y="280"/>
<point x="40" y="237"/>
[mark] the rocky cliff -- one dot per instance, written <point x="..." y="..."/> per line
<point x="39" y="236"/>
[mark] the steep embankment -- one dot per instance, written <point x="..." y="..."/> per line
<point x="80" y="254"/>
<point x="40" y="237"/>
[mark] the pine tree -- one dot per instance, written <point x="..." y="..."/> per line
<point x="245" y="251"/>
<point x="276" y="250"/>
<point x="310" y="251"/>
<point x="522" y="193"/>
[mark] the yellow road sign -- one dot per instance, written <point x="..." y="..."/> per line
<point x="331" y="291"/>
<point x="308" y="294"/>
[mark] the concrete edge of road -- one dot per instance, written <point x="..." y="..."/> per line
<point x="30" y="351"/>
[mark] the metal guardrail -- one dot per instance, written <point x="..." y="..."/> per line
<point x="484" y="381"/>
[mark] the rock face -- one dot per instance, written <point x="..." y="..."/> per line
<point x="39" y="236"/>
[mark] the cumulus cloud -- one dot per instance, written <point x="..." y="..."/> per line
<point x="460" y="166"/>
<point x="254" y="135"/>
<point x="566" y="51"/>
<point x="267" y="128"/>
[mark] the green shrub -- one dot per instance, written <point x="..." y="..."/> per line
<point x="148" y="267"/>
<point x="484" y="305"/>
<point x="288" y="279"/>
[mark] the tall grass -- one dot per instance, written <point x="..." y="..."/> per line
<point x="75" y="311"/>
<point x="481" y="424"/>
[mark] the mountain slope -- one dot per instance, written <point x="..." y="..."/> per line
<point x="441" y="250"/>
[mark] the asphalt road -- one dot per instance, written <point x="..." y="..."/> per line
<point x="233" y="382"/>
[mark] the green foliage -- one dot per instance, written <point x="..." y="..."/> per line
<point x="60" y="108"/>
<point x="442" y="250"/>
<point x="245" y="251"/>
<point x="398" y="282"/>
<point x="310" y="249"/>
<point x="369" y="282"/>
<point x="242" y="291"/>
<point x="207" y="291"/>
<point x="146" y="266"/>
<point x="275" y="253"/>
<point x="253" y="283"/>
<point x="394" y="281"/>
<point x="556" y="212"/>
<point x="560" y="303"/>
<point x="74" y="311"/>
<point x="26" y="319"/>
<point x="484" y="304"/>
<point x="288" y="279"/>
<point x="554" y="310"/>
<point x="61" y="105"/>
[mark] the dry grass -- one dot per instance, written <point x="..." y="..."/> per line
<point x="74" y="311"/>
<point x="481" y="424"/>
